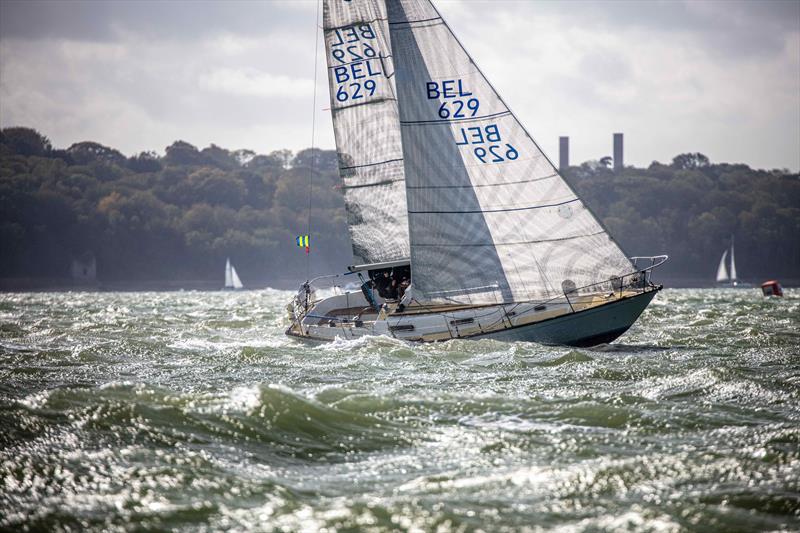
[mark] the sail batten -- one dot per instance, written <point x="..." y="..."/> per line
<point x="366" y="128"/>
<point x="487" y="208"/>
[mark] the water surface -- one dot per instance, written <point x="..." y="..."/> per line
<point x="192" y="411"/>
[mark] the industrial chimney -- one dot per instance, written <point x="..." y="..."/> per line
<point x="618" y="161"/>
<point x="563" y="153"/>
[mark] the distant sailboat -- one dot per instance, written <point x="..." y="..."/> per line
<point x="232" y="281"/>
<point x="729" y="280"/>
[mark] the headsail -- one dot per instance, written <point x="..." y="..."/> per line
<point x="366" y="127"/>
<point x="236" y="282"/>
<point x="722" y="271"/>
<point x="490" y="219"/>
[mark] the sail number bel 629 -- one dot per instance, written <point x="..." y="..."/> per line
<point x="457" y="102"/>
<point x="487" y="143"/>
<point x="353" y="50"/>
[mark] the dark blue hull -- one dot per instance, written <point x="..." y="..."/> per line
<point x="590" y="327"/>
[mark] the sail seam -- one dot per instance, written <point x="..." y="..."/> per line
<point x="376" y="184"/>
<point x="356" y="23"/>
<point x="475" y="245"/>
<point x="372" y="164"/>
<point x="451" y="120"/>
<point x="481" y="185"/>
<point x="492" y="210"/>
<point x="409" y="22"/>
<point x="376" y="58"/>
<point x="376" y="101"/>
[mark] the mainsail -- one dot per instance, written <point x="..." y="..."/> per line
<point x="228" y="276"/>
<point x="366" y="127"/>
<point x="722" y="271"/>
<point x="490" y="219"/>
<point x="733" y="262"/>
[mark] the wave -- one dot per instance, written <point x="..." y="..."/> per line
<point x="270" y="417"/>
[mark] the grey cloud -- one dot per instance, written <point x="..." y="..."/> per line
<point x="137" y="75"/>
<point x="177" y="19"/>
<point x="725" y="28"/>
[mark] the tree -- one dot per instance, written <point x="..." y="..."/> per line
<point x="284" y="156"/>
<point x="86" y="152"/>
<point x="690" y="161"/>
<point x="25" y="141"/>
<point x="320" y="160"/>
<point x="219" y="157"/>
<point x="144" y="162"/>
<point x="182" y="153"/>
<point x="265" y="161"/>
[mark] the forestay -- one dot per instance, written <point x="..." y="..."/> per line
<point x="490" y="219"/>
<point x="366" y="127"/>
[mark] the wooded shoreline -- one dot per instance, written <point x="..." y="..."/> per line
<point x="171" y="221"/>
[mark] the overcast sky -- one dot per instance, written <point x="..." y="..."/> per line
<point x="718" y="77"/>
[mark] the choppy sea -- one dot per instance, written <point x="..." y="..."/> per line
<point x="191" y="411"/>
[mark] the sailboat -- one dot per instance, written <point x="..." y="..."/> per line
<point x="232" y="281"/>
<point x="729" y="280"/>
<point x="460" y="226"/>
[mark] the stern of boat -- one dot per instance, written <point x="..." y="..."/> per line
<point x="324" y="310"/>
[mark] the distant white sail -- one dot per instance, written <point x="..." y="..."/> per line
<point x="490" y="218"/>
<point x="733" y="263"/>
<point x="722" y="270"/>
<point x="228" y="276"/>
<point x="237" y="283"/>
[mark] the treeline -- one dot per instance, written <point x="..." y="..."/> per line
<point x="175" y="217"/>
<point x="690" y="209"/>
<point x="178" y="216"/>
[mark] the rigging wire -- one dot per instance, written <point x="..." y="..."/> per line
<point x="313" y="137"/>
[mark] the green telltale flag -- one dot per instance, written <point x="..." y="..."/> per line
<point x="302" y="241"/>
